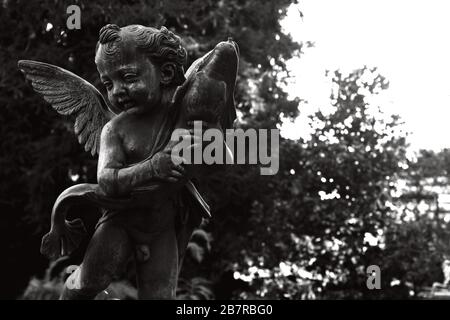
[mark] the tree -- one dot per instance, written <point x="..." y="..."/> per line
<point x="307" y="227"/>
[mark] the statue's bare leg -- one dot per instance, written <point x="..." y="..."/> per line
<point x="157" y="271"/>
<point x="157" y="277"/>
<point x="106" y="257"/>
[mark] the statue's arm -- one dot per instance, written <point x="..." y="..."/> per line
<point x="115" y="178"/>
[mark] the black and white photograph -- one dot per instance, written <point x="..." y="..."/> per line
<point x="238" y="151"/>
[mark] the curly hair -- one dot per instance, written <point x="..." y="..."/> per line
<point x="159" y="45"/>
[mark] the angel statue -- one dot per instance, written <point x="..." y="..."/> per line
<point x="150" y="202"/>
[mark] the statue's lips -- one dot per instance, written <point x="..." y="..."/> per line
<point x="126" y="104"/>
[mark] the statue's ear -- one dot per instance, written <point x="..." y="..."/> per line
<point x="167" y="73"/>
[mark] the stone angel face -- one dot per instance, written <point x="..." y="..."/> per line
<point x="132" y="81"/>
<point x="136" y="64"/>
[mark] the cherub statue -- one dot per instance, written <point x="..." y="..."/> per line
<point x="150" y="203"/>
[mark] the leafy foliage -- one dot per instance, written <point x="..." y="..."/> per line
<point x="311" y="218"/>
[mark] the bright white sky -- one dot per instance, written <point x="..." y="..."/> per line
<point x="409" y="41"/>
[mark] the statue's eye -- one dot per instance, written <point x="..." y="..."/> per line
<point x="129" y="77"/>
<point x="107" y="85"/>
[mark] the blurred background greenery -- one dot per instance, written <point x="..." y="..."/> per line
<point x="348" y="197"/>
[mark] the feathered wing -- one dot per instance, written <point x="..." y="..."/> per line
<point x="70" y="94"/>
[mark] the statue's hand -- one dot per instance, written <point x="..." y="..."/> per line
<point x="63" y="239"/>
<point x="189" y="154"/>
<point x="165" y="168"/>
<point x="205" y="168"/>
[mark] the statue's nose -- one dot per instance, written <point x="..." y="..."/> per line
<point x="119" y="91"/>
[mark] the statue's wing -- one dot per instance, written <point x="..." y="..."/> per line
<point x="71" y="95"/>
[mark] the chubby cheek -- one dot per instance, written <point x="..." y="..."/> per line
<point x="113" y="100"/>
<point x="143" y="94"/>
